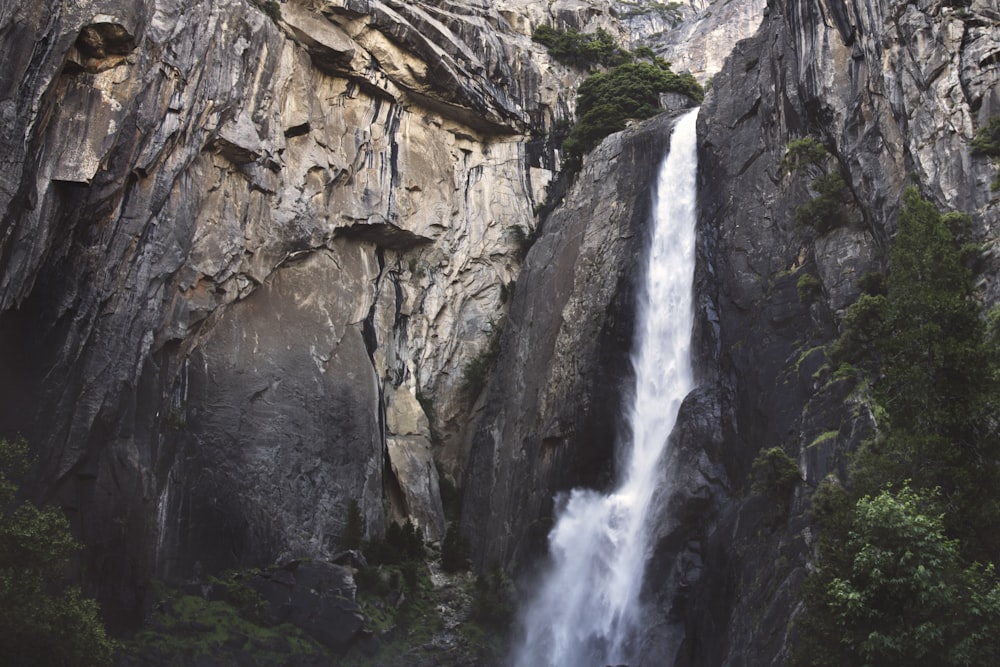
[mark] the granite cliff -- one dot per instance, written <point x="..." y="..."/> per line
<point x="246" y="258"/>
<point x="238" y="248"/>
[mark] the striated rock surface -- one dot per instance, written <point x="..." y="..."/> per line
<point x="244" y="263"/>
<point x="887" y="88"/>
<point x="552" y="407"/>
<point x="235" y="251"/>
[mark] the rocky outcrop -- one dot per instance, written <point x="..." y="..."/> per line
<point x="695" y="36"/>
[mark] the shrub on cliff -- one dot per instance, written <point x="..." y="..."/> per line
<point x="42" y="621"/>
<point x="803" y="151"/>
<point x="830" y="207"/>
<point x="607" y="100"/>
<point x="987" y="142"/>
<point x="774" y="474"/>
<point x="581" y="48"/>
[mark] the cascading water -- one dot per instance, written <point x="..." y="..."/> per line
<point x="585" y="613"/>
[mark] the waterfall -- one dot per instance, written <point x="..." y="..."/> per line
<point x="585" y="612"/>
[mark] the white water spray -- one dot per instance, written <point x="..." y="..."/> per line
<point x="585" y="614"/>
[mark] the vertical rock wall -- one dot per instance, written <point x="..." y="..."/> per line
<point x="235" y="252"/>
<point x="895" y="91"/>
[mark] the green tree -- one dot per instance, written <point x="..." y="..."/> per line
<point x="898" y="580"/>
<point x="354" y="530"/>
<point x="606" y="100"/>
<point x="582" y="49"/>
<point x="938" y="389"/>
<point x="454" y="550"/>
<point x="894" y="591"/>
<point x="42" y="621"/>
<point x="774" y="474"/>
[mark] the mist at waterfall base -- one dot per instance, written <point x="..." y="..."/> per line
<point x="586" y="610"/>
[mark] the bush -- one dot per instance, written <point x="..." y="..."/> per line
<point x="774" y="474"/>
<point x="829" y="208"/>
<point x="860" y="332"/>
<point x="606" y="100"/>
<point x="802" y="152"/>
<point x="354" y="530"/>
<point x="899" y="594"/>
<point x="493" y="604"/>
<point x="987" y="142"/>
<point x="581" y="49"/>
<point x="402" y="543"/>
<point x="42" y="621"/>
<point x="454" y="551"/>
<point x="809" y="287"/>
<point x="987" y="139"/>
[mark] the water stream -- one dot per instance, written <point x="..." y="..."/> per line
<point x="585" y="613"/>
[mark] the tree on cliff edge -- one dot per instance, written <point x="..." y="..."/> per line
<point x="42" y="621"/>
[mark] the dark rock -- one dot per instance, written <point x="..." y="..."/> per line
<point x="317" y="597"/>
<point x="551" y="413"/>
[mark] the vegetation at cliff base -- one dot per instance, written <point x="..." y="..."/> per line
<point x="905" y="574"/>
<point x="43" y="621"/>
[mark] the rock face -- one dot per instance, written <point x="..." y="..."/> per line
<point x="236" y="251"/>
<point x="694" y="36"/>
<point x="244" y="262"/>
<point x="552" y="407"/>
<point x="888" y="88"/>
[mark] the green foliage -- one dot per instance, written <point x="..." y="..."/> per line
<point x="403" y="612"/>
<point x="987" y="142"/>
<point x="899" y="594"/>
<point x="750" y="63"/>
<point x="809" y="287"/>
<point x="829" y="208"/>
<point x="938" y="384"/>
<point x="606" y="100"/>
<point x="493" y="605"/>
<point x="987" y="139"/>
<point x="42" y="622"/>
<point x="860" y="330"/>
<point x="581" y="49"/>
<point x="932" y="347"/>
<point x="802" y="152"/>
<point x="899" y="581"/>
<point x="189" y="630"/>
<point x="354" y="529"/>
<point x="872" y="283"/>
<point x="774" y="474"/>
<point x="402" y="543"/>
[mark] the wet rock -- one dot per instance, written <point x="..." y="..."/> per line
<point x="551" y="413"/>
